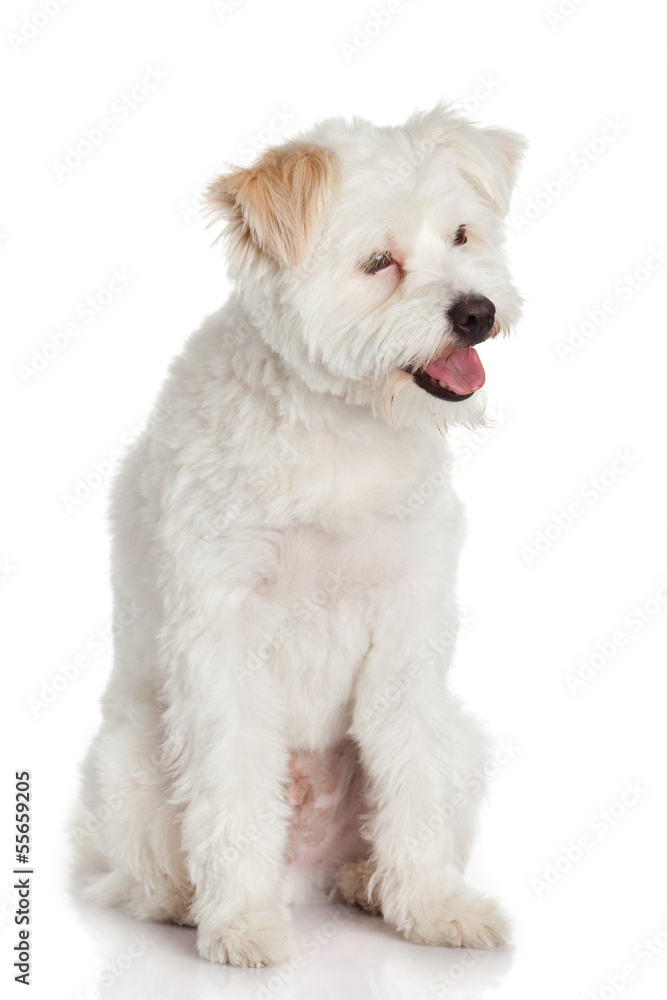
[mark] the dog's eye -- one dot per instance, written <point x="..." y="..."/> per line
<point x="461" y="237"/>
<point x="377" y="262"/>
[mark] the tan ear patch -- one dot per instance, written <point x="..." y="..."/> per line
<point x="276" y="203"/>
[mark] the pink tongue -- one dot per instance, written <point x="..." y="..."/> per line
<point x="461" y="371"/>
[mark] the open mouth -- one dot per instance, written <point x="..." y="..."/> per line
<point x="454" y="377"/>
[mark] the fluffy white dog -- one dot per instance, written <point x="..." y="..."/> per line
<point x="278" y="723"/>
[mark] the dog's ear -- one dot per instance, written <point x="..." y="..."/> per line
<point x="490" y="159"/>
<point x="274" y="205"/>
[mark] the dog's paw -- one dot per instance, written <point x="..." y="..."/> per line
<point x="466" y="921"/>
<point x="351" y="884"/>
<point x="254" y="939"/>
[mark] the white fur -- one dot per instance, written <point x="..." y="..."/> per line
<point x="281" y="449"/>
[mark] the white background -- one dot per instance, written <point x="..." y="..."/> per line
<point x="263" y="68"/>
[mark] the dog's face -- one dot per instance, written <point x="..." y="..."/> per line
<point x="371" y="258"/>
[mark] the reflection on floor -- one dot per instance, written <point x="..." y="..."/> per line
<point x="341" y="952"/>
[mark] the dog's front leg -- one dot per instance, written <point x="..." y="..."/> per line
<point x="225" y="723"/>
<point x="422" y="756"/>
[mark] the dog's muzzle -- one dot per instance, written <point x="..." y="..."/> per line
<point x="459" y="374"/>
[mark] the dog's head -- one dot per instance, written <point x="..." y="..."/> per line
<point x="371" y="259"/>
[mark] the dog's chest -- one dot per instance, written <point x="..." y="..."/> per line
<point x="343" y="534"/>
<point x="344" y="482"/>
<point x="319" y="609"/>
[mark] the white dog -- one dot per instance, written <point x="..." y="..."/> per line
<point x="278" y="722"/>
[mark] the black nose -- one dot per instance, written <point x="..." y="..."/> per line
<point x="473" y="318"/>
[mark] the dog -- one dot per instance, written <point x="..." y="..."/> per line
<point x="278" y="726"/>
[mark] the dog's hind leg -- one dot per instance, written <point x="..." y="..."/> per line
<point x="125" y="831"/>
<point x="351" y="885"/>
